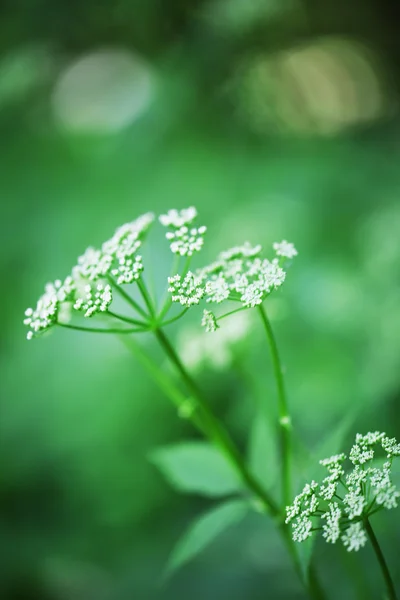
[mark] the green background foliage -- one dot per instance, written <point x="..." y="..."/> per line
<point x="84" y="513"/>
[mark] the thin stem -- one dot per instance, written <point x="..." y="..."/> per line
<point x="146" y="296"/>
<point x="173" y="319"/>
<point x="284" y="415"/>
<point x="101" y="330"/>
<point x="232" y="312"/>
<point x="165" y="382"/>
<point x="193" y="408"/>
<point x="215" y="431"/>
<point x="381" y="559"/>
<point x="127" y="297"/>
<point x="126" y="319"/>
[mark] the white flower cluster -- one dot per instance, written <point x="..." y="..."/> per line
<point x="184" y="239"/>
<point x="117" y="256"/>
<point x="87" y="289"/>
<point x="238" y="274"/>
<point x="343" y="500"/>
<point x="209" y="321"/>
<point x="98" y="300"/>
<point x="185" y="290"/>
<point x="45" y="314"/>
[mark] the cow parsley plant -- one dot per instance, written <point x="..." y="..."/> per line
<point x="342" y="503"/>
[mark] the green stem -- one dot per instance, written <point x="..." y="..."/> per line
<point x="126" y="319"/>
<point x="101" y="330"/>
<point x="146" y="296"/>
<point x="173" y="319"/>
<point x="232" y="312"/>
<point x="165" y="383"/>
<point x="284" y="416"/>
<point x="195" y="410"/>
<point x="381" y="559"/>
<point x="215" y="431"/>
<point x="127" y="297"/>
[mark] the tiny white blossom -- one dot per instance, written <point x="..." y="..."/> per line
<point x="390" y="446"/>
<point x="95" y="301"/>
<point x="354" y="503"/>
<point x="186" y="291"/>
<point x="387" y="497"/>
<point x="359" y="455"/>
<point x="44" y="316"/>
<point x="246" y="250"/>
<point x="186" y="241"/>
<point x="354" y="537"/>
<point x="285" y="249"/>
<point x="331" y="529"/>
<point x="209" y="321"/>
<point x="178" y="218"/>
<point x="217" y="289"/>
<point x="301" y="528"/>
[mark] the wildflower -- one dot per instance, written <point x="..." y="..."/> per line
<point x="209" y="321"/>
<point x="285" y="249"/>
<point x="354" y="537"/>
<point x="187" y="290"/>
<point x="344" y="500"/>
<point x="98" y="300"/>
<point x="240" y="274"/>
<point x="44" y="316"/>
<point x="185" y="240"/>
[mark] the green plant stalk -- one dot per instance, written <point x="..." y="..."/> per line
<point x="285" y="424"/>
<point x="146" y="297"/>
<point x="195" y="410"/>
<point x="127" y="297"/>
<point x="204" y="419"/>
<point x="102" y="330"/>
<point x="215" y="431"/>
<point x="381" y="560"/>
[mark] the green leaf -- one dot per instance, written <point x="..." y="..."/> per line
<point x="204" y="530"/>
<point x="197" y="467"/>
<point x="263" y="451"/>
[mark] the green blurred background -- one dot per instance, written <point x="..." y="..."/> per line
<point x="276" y="119"/>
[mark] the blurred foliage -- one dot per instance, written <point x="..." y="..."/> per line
<point x="83" y="513"/>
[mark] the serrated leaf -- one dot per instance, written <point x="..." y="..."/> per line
<point x="263" y="451"/>
<point x="204" y="530"/>
<point x="197" y="467"/>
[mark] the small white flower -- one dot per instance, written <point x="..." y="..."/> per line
<point x="302" y="528"/>
<point x="178" y="218"/>
<point x="331" y="529"/>
<point x="95" y="301"/>
<point x="44" y="316"/>
<point x="390" y="446"/>
<point x="387" y="497"/>
<point x="186" y="242"/>
<point x="285" y="249"/>
<point x="186" y="291"/>
<point x="246" y="250"/>
<point x="217" y="289"/>
<point x="354" y="503"/>
<point x="355" y="537"/>
<point x="209" y="321"/>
